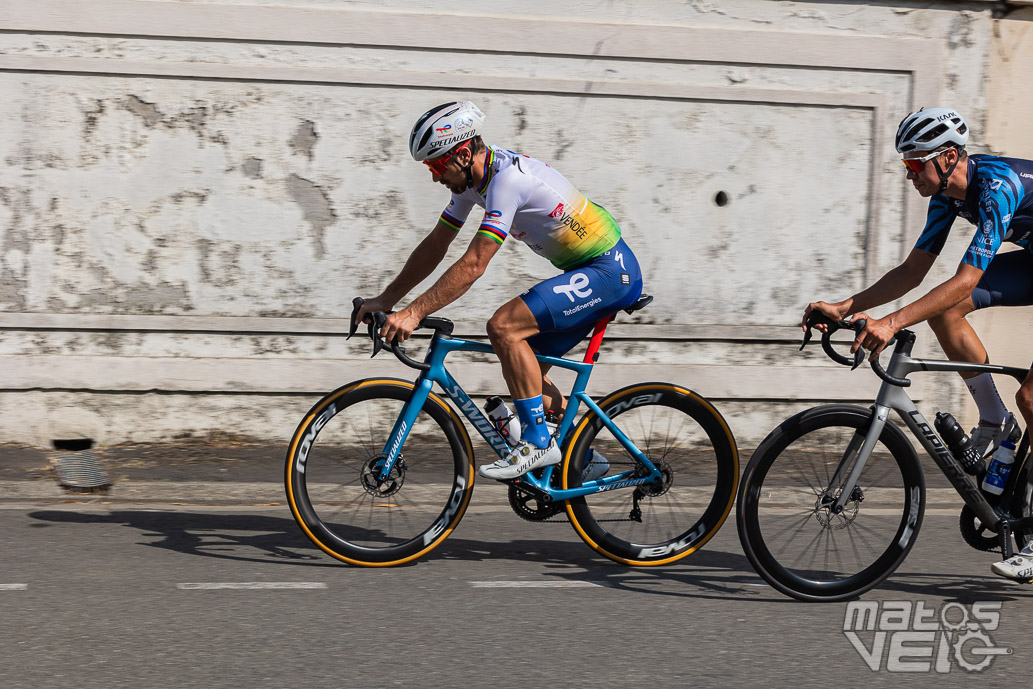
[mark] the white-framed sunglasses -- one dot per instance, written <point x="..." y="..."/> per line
<point x="916" y="165"/>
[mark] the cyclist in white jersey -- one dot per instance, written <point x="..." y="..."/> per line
<point x="524" y="198"/>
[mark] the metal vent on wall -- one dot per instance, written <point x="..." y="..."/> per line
<point x="78" y="466"/>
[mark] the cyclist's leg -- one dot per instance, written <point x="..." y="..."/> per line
<point x="567" y="306"/>
<point x="1007" y="282"/>
<point x="509" y="330"/>
<point x="552" y="396"/>
<point x="555" y="315"/>
<point x="1024" y="400"/>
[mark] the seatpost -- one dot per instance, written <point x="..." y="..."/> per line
<point x="592" y="355"/>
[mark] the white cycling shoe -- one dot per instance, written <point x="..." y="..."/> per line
<point x="1018" y="567"/>
<point x="521" y="459"/>
<point x="987" y="437"/>
<point x="596" y="467"/>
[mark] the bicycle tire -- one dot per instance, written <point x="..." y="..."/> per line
<point x="1021" y="504"/>
<point x="329" y="475"/>
<point x="791" y="540"/>
<point x="700" y="464"/>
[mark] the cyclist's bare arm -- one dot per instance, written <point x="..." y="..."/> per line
<point x="421" y="263"/>
<point x="941" y="298"/>
<point x="452" y="284"/>
<point x="893" y="285"/>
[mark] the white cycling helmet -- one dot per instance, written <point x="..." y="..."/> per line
<point x="440" y="129"/>
<point x="930" y="128"/>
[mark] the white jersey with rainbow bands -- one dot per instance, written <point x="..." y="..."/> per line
<point x="524" y="197"/>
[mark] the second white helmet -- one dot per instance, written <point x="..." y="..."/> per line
<point x="930" y="128"/>
<point x="442" y="128"/>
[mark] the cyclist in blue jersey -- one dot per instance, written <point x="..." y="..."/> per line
<point x="996" y="195"/>
<point x="524" y="198"/>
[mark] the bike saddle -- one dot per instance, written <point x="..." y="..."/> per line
<point x="642" y="303"/>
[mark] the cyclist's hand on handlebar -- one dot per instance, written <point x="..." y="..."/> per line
<point x="835" y="312"/>
<point x="876" y="334"/>
<point x="371" y="306"/>
<point x="400" y="325"/>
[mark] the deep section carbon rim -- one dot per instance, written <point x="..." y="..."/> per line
<point x="333" y="467"/>
<point x="686" y="438"/>
<point x="790" y="533"/>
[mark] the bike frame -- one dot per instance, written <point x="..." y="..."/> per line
<point x="443" y="345"/>
<point x="893" y="397"/>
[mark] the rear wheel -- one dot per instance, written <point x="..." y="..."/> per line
<point x="685" y="437"/>
<point x="333" y="466"/>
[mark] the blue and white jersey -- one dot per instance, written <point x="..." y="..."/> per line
<point x="999" y="202"/>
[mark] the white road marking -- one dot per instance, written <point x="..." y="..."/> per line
<point x="253" y="585"/>
<point x="13" y="587"/>
<point x="534" y="584"/>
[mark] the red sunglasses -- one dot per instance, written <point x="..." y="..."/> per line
<point x="438" y="166"/>
<point x="916" y="165"/>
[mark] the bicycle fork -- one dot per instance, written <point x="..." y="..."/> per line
<point x="860" y="448"/>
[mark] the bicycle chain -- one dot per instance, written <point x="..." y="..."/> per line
<point x="519" y="497"/>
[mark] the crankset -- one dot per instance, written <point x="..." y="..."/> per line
<point x="532" y="505"/>
<point x="976" y="533"/>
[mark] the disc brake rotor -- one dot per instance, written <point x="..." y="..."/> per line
<point x="830" y="520"/>
<point x="655" y="490"/>
<point x="370" y="477"/>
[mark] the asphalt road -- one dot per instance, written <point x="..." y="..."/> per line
<point x="155" y="595"/>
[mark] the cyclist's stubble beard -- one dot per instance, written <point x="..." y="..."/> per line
<point x="456" y="187"/>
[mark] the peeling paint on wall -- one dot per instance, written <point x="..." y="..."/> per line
<point x="315" y="206"/>
<point x="304" y="140"/>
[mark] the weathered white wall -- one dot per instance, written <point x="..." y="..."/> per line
<point x="192" y="192"/>
<point x="1007" y="332"/>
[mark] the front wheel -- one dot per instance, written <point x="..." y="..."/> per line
<point x="333" y="475"/>
<point x="684" y="437"/>
<point x="788" y="529"/>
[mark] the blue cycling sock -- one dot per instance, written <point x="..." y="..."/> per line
<point x="531" y="413"/>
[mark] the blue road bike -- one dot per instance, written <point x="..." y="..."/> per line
<point x="381" y="470"/>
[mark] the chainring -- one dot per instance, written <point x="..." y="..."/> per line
<point x="977" y="534"/>
<point x="531" y="507"/>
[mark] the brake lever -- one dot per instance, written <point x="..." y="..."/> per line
<point x="806" y="337"/>
<point x="858" y="358"/>
<point x="379" y="318"/>
<point x="353" y="326"/>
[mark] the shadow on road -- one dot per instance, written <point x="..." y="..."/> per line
<point x="278" y="540"/>
<point x="708" y="573"/>
<point x="249" y="537"/>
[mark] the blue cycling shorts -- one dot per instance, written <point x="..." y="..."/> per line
<point x="1008" y="281"/>
<point x="567" y="306"/>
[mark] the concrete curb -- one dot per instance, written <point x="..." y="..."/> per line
<point x="267" y="493"/>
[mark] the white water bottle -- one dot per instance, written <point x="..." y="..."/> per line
<point x="503" y="419"/>
<point x="1000" y="466"/>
